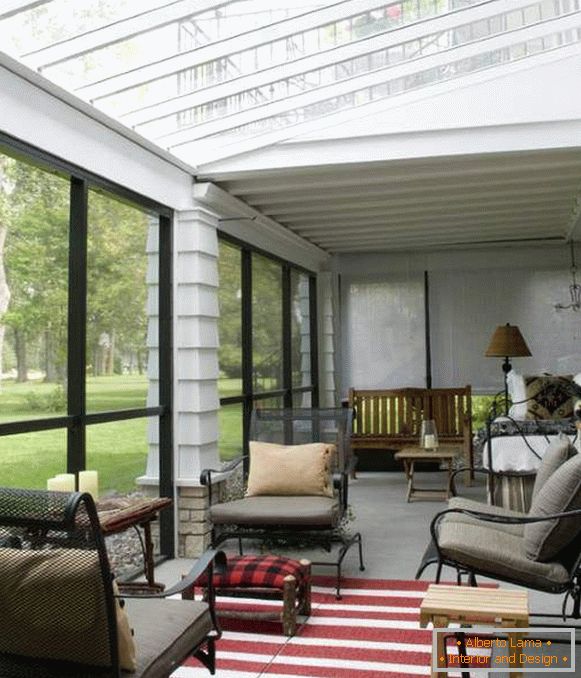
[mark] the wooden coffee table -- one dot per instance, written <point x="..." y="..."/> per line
<point x="443" y="605"/>
<point x="412" y="455"/>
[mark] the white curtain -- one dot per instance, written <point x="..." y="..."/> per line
<point x="383" y="332"/>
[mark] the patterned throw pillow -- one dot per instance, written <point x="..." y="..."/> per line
<point x="548" y="397"/>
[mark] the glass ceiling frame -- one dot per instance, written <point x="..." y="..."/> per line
<point x="221" y="119"/>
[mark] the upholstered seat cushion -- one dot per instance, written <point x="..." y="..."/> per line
<point x="165" y="629"/>
<point x="497" y="553"/>
<point x="481" y="507"/>
<point x="263" y="510"/>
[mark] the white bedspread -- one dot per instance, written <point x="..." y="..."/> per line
<point x="510" y="453"/>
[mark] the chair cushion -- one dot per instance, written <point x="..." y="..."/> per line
<point x="559" y="450"/>
<point x="290" y="469"/>
<point x="549" y="397"/>
<point x="305" y="511"/>
<point x="497" y="553"/>
<point x="561" y="493"/>
<point x="166" y="632"/>
<point x="489" y="509"/>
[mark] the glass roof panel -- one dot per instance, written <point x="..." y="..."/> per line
<point x="193" y="75"/>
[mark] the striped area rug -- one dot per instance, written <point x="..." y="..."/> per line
<point x="373" y="632"/>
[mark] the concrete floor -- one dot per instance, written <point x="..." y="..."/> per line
<point x="395" y="534"/>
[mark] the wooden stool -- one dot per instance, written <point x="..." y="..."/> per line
<point x="469" y="605"/>
<point x="269" y="577"/>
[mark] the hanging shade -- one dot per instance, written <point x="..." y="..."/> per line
<point x="507" y="341"/>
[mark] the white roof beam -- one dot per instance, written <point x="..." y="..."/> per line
<point x="449" y="199"/>
<point x="449" y="241"/>
<point x="228" y="46"/>
<point x="484" y="167"/>
<point x="285" y="204"/>
<point x="382" y="41"/>
<point x="391" y="220"/>
<point x="376" y="77"/>
<point x="12" y="7"/>
<point x="557" y="207"/>
<point x="117" y="32"/>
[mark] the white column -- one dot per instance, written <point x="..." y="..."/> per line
<point x="327" y="386"/>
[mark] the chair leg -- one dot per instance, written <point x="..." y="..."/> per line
<point x="439" y="571"/>
<point x="472" y="579"/>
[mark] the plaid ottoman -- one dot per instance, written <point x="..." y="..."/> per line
<point x="270" y="577"/>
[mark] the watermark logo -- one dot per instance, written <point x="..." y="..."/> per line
<point x="510" y="650"/>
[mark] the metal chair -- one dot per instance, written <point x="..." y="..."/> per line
<point x="61" y="617"/>
<point x="317" y="520"/>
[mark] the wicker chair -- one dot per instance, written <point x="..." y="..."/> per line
<point x="315" y="519"/>
<point x="61" y="615"/>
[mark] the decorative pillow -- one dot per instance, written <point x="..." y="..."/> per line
<point x="290" y="469"/>
<point x="548" y="397"/>
<point x="560" y="493"/>
<point x="125" y="642"/>
<point x="556" y="454"/>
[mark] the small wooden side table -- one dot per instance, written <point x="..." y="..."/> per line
<point x="506" y="608"/>
<point x="411" y="455"/>
<point x="117" y="515"/>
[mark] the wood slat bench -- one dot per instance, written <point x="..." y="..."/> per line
<point x="390" y="419"/>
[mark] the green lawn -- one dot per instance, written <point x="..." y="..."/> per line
<point x="117" y="450"/>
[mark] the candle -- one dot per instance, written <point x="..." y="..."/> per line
<point x="429" y="440"/>
<point x="63" y="482"/>
<point x="89" y="482"/>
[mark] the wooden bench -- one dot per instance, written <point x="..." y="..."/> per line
<point x="391" y="419"/>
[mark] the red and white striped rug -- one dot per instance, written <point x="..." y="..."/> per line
<point x="373" y="632"/>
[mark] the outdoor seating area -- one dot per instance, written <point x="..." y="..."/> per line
<point x="290" y="361"/>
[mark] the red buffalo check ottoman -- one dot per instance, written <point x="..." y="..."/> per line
<point x="270" y="577"/>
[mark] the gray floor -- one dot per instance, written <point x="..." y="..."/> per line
<point x="395" y="534"/>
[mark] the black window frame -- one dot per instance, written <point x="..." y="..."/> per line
<point x="77" y="419"/>
<point x="249" y="396"/>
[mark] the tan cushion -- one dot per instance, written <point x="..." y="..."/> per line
<point x="561" y="493"/>
<point x="496" y="553"/>
<point x="125" y="642"/>
<point x="290" y="469"/>
<point x="53" y="606"/>
<point x="549" y="397"/>
<point x="557" y="453"/>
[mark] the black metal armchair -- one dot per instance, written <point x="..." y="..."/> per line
<point x="540" y="550"/>
<point x="61" y="616"/>
<point x="315" y="519"/>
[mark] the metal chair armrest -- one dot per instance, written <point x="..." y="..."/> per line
<point x="486" y="471"/>
<point x="210" y="560"/>
<point x="206" y="474"/>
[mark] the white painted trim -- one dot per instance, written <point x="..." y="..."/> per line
<point x="118" y="31"/>
<point x="261" y="231"/>
<point x="221" y="48"/>
<point x="45" y="116"/>
<point x="381" y="41"/>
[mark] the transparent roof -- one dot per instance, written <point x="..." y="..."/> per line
<point x="206" y="79"/>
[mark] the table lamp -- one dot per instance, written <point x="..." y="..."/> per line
<point x="507" y="342"/>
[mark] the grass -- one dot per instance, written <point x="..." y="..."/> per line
<point x="117" y="450"/>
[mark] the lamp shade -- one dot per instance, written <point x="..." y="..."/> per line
<point x="507" y="341"/>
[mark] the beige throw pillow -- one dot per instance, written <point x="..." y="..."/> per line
<point x="290" y="469"/>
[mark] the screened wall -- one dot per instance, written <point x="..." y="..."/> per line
<point x="85" y="339"/>
<point x="268" y="338"/>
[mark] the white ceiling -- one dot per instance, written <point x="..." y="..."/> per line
<point x="421" y="203"/>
